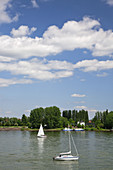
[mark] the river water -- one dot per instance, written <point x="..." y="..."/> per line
<point x="22" y="150"/>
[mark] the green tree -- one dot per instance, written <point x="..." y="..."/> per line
<point x="109" y="120"/>
<point x="65" y="113"/>
<point x="100" y="119"/>
<point x="24" y="120"/>
<point x="74" y="113"/>
<point x="36" y="117"/>
<point x="63" y="122"/>
<point x="69" y="114"/>
<point x="52" y="117"/>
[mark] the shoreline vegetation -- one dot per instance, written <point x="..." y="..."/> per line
<point x="21" y="128"/>
<point x="52" y="119"/>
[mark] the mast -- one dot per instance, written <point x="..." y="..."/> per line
<point x="74" y="145"/>
<point x="69" y="142"/>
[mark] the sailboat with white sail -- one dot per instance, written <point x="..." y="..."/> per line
<point x="41" y="132"/>
<point x="67" y="156"/>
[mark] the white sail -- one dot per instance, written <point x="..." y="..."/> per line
<point x="40" y="132"/>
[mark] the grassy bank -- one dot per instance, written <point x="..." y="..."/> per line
<point x="23" y="128"/>
<point x="97" y="130"/>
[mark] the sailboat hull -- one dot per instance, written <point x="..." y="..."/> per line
<point x="66" y="158"/>
<point x="42" y="136"/>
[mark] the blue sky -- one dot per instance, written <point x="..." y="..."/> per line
<point x="56" y="53"/>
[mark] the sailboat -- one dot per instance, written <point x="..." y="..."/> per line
<point x="67" y="156"/>
<point x="41" y="132"/>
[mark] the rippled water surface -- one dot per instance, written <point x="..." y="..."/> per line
<point x="22" y="150"/>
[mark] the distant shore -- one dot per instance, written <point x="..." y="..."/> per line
<point x="26" y="129"/>
<point x="9" y="128"/>
<point x="47" y="130"/>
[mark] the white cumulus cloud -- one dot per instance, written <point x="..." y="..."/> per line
<point x="94" y="65"/>
<point x="78" y="95"/>
<point x="81" y="107"/>
<point x="7" y="82"/>
<point x="16" y="50"/>
<point x="73" y="35"/>
<point x="22" y="31"/>
<point x="38" y="69"/>
<point x="4" y="15"/>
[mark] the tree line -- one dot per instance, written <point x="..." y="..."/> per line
<point x="51" y="117"/>
<point x="103" y="119"/>
<point x="76" y="116"/>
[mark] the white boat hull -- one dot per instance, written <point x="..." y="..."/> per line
<point x="79" y="129"/>
<point x="67" y="129"/>
<point x="66" y="158"/>
<point x="42" y="136"/>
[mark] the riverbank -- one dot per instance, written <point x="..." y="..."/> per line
<point x="10" y="128"/>
<point x="13" y="128"/>
<point x="18" y="128"/>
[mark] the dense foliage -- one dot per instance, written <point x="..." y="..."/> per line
<point x="6" y="121"/>
<point x="37" y="117"/>
<point x="103" y="119"/>
<point x="51" y="117"/>
<point x="76" y="116"/>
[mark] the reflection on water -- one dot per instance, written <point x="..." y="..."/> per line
<point x="24" y="151"/>
<point x="41" y="144"/>
<point x="68" y="164"/>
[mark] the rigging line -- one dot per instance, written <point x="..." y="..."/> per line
<point x="74" y="144"/>
<point x="69" y="142"/>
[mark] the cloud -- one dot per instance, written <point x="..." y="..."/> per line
<point x="78" y="95"/>
<point x="79" y="102"/>
<point x="7" y="82"/>
<point x="22" y="31"/>
<point x="94" y="65"/>
<point x="109" y="2"/>
<point x="6" y="59"/>
<point x="16" y="50"/>
<point x="4" y="15"/>
<point x="42" y="69"/>
<point x="82" y="80"/>
<point x="73" y="35"/>
<point x="81" y="107"/>
<point x="34" y="3"/>
<point x="39" y="69"/>
<point x="102" y="75"/>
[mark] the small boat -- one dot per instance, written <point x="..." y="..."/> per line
<point x="41" y="132"/>
<point x="67" y="156"/>
<point x="67" y="129"/>
<point x="79" y="129"/>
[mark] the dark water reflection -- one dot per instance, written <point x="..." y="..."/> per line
<point x="22" y="150"/>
